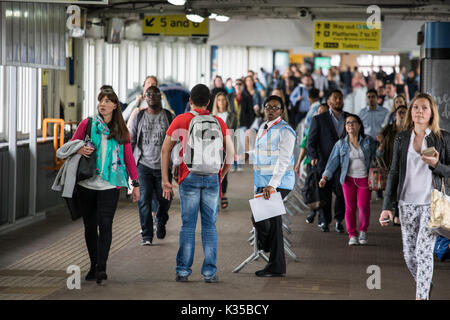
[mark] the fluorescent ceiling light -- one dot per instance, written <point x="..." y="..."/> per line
<point x="222" y="18"/>
<point x="212" y="16"/>
<point x="177" y="2"/>
<point x="195" y="18"/>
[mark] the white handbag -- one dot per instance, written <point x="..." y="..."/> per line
<point x="440" y="212"/>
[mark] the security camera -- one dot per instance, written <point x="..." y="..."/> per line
<point x="303" y="13"/>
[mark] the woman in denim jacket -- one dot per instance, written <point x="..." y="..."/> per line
<point x="353" y="153"/>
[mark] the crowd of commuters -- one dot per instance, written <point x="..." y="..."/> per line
<point x="340" y="146"/>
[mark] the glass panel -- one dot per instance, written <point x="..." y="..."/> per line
<point x="336" y="60"/>
<point x="364" y="60"/>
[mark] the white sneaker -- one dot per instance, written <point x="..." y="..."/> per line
<point x="146" y="243"/>
<point x="353" y="241"/>
<point x="363" y="237"/>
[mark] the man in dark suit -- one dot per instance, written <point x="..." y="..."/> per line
<point x="325" y="130"/>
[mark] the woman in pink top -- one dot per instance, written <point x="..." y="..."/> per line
<point x="98" y="196"/>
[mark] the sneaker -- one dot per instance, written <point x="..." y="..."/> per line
<point x="146" y="243"/>
<point x="181" y="278"/>
<point x="212" y="279"/>
<point x="363" y="237"/>
<point x="324" y="227"/>
<point x="353" y="241"/>
<point x="161" y="231"/>
<point x="310" y="218"/>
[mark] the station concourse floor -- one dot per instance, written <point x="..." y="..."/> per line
<point x="34" y="259"/>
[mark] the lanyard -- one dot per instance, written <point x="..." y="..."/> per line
<point x="265" y="130"/>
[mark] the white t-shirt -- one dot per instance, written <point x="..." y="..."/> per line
<point x="223" y="116"/>
<point x="96" y="182"/>
<point x="356" y="167"/>
<point x="419" y="178"/>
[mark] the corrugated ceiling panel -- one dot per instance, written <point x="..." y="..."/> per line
<point x="33" y="35"/>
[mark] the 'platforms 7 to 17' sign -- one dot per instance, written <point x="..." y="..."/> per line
<point x="174" y="25"/>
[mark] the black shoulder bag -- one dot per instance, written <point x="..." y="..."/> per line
<point x="87" y="166"/>
<point x="86" y="169"/>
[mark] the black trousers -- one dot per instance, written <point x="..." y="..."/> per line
<point x="98" y="209"/>
<point x="332" y="186"/>
<point x="273" y="238"/>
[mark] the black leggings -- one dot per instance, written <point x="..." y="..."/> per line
<point x="98" y="208"/>
<point x="225" y="184"/>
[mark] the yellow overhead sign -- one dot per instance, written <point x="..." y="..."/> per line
<point x="345" y="36"/>
<point x="175" y="25"/>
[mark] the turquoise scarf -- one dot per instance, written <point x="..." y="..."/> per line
<point x="114" y="170"/>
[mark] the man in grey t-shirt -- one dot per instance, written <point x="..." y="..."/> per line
<point x="148" y="130"/>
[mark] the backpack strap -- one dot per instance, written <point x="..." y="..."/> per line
<point x="88" y="129"/>
<point x="139" y="117"/>
<point x="169" y="115"/>
<point x="195" y="113"/>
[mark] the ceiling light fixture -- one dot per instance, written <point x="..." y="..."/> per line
<point x="212" y="16"/>
<point x="195" y="18"/>
<point x="222" y="18"/>
<point x="177" y="2"/>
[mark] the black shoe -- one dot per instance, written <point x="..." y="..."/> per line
<point x="339" y="227"/>
<point x="264" y="273"/>
<point x="161" y="231"/>
<point x="324" y="227"/>
<point x="91" y="275"/>
<point x="181" y="278"/>
<point x="101" y="275"/>
<point x="310" y="218"/>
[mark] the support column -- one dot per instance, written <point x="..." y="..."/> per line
<point x="12" y="144"/>
<point x="33" y="140"/>
<point x="435" y="67"/>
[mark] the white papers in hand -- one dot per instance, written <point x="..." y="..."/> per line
<point x="264" y="209"/>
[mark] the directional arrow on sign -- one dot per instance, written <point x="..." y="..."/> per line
<point x="149" y="22"/>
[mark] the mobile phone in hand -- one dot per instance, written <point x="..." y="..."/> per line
<point x="428" y="152"/>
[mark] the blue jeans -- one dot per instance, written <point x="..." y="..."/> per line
<point x="198" y="192"/>
<point x="150" y="185"/>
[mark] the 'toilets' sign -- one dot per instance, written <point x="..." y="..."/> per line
<point x="174" y="25"/>
<point x="345" y="36"/>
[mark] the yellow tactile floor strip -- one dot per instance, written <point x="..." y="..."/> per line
<point x="44" y="271"/>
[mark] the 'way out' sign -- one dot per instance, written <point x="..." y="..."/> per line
<point x="175" y="25"/>
<point x="345" y="36"/>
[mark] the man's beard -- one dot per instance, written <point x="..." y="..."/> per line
<point x="339" y="109"/>
<point x="154" y="106"/>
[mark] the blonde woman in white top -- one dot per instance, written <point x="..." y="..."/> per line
<point x="410" y="181"/>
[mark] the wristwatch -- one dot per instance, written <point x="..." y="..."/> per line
<point x="135" y="183"/>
